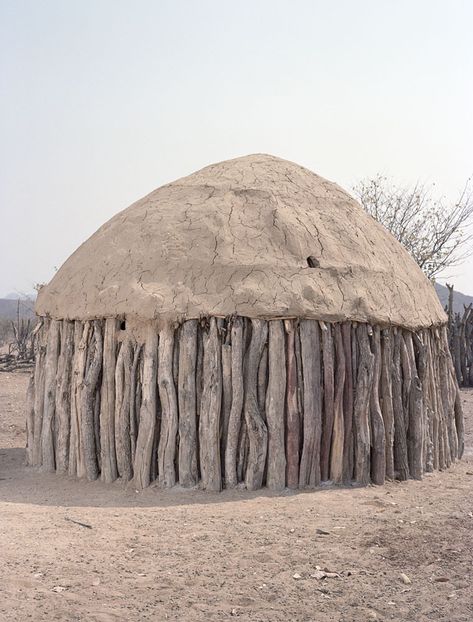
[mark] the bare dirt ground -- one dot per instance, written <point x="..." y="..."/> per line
<point x="180" y="555"/>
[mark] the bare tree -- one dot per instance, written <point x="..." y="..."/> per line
<point x="434" y="232"/>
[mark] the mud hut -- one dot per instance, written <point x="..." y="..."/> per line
<point x="247" y="325"/>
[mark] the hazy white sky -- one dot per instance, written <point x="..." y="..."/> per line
<point x="101" y="101"/>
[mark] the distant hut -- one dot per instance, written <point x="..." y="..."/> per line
<point x="249" y="324"/>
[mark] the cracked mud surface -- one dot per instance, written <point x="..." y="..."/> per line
<point x="235" y="238"/>
<point x="192" y="556"/>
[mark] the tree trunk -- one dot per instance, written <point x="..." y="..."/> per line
<point x="87" y="428"/>
<point x="210" y="407"/>
<point x="327" y="421"/>
<point x="169" y="414"/>
<point x="107" y="405"/>
<point x="309" y="474"/>
<point x="378" y="437"/>
<point x="144" y="442"/>
<point x="256" y="427"/>
<point x="362" y="407"/>
<point x="234" y="420"/>
<point x="292" y="409"/>
<point x="188" y="475"/>
<point x="336" y="453"/>
<point x="275" y="398"/>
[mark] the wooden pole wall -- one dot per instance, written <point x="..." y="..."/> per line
<point x="218" y="403"/>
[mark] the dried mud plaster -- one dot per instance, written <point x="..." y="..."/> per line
<point x="240" y="237"/>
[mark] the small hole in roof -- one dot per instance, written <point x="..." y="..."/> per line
<point x="313" y="262"/>
<point x="122" y="325"/>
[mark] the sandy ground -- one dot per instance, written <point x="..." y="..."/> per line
<point x="248" y="556"/>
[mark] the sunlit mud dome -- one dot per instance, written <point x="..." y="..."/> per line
<point x="247" y="325"/>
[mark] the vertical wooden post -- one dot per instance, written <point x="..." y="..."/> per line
<point x="169" y="414"/>
<point x="256" y="427"/>
<point x="362" y="407"/>
<point x="210" y="407"/>
<point x="234" y="420"/>
<point x="147" y="426"/>
<point x="292" y="409"/>
<point x="87" y="429"/>
<point x="107" y="405"/>
<point x="63" y="396"/>
<point x="275" y="403"/>
<point x="40" y="347"/>
<point x="50" y="369"/>
<point x="348" y="401"/>
<point x="329" y="389"/>
<point x="400" y="438"/>
<point x="378" y="438"/>
<point x="336" y="452"/>
<point x="188" y="475"/>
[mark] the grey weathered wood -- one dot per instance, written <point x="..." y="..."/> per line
<point x="107" y="403"/>
<point x="336" y="453"/>
<point x="292" y="409"/>
<point x="378" y="435"/>
<point x="147" y="425"/>
<point x="348" y="402"/>
<point x="362" y="407"/>
<point x="40" y="354"/>
<point x="256" y="427"/>
<point x="275" y="406"/>
<point x="328" y="404"/>
<point x="263" y="382"/>
<point x="30" y="420"/>
<point x="401" y="464"/>
<point x="169" y="412"/>
<point x="89" y="388"/>
<point x="226" y="395"/>
<point x="134" y="405"/>
<point x="309" y="473"/>
<point x="235" y="417"/>
<point x="210" y="410"/>
<point x="415" y="439"/>
<point x="188" y="474"/>
<point x="63" y="396"/>
<point x="81" y="342"/>
<point x="122" y="415"/>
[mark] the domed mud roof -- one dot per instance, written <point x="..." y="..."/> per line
<point x="256" y="236"/>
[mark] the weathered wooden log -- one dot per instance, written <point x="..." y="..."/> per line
<point x="256" y="427"/>
<point x="210" y="410"/>
<point x="234" y="420"/>
<point x="275" y="406"/>
<point x="226" y="394"/>
<point x="135" y="386"/>
<point x="292" y="409"/>
<point x="348" y="402"/>
<point x="415" y="439"/>
<point x="378" y="435"/>
<point x="122" y="419"/>
<point x="401" y="464"/>
<point x="386" y="399"/>
<point x="147" y="426"/>
<point x="188" y="474"/>
<point x="63" y="396"/>
<point x="169" y="412"/>
<point x="40" y="347"/>
<point x="328" y="403"/>
<point x="81" y="340"/>
<point x="87" y="429"/>
<point x="107" y="403"/>
<point x="362" y="406"/>
<point x="407" y="377"/>
<point x="309" y="473"/>
<point x="336" y="452"/>
<point x="263" y="382"/>
<point x="30" y="420"/>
